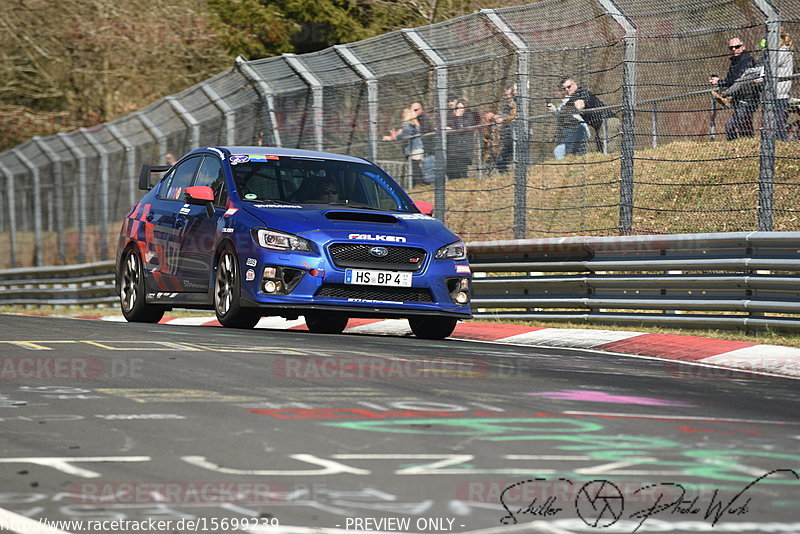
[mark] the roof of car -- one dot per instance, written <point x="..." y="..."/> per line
<point x="276" y="151"/>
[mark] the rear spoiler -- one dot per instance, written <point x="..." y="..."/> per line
<point x="144" y="175"/>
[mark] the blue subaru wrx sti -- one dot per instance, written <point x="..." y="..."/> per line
<point x="257" y="231"/>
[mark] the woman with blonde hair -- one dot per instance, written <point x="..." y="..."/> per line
<point x="413" y="150"/>
<point x="784" y="85"/>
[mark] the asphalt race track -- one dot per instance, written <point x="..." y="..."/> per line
<point x="161" y="428"/>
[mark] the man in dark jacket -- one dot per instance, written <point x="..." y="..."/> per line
<point x="745" y="102"/>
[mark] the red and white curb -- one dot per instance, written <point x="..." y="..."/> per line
<point x="741" y="355"/>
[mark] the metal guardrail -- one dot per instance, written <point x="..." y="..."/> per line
<point x="65" y="285"/>
<point x="742" y="280"/>
<point x="731" y="280"/>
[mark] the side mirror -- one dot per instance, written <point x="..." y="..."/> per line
<point x="424" y="207"/>
<point x="201" y="195"/>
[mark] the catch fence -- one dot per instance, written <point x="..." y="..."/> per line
<point x="661" y="164"/>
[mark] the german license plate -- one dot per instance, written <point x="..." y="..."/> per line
<point x="377" y="278"/>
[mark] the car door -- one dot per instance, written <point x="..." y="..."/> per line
<point x="197" y="231"/>
<point x="163" y="239"/>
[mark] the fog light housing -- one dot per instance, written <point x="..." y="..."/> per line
<point x="460" y="290"/>
<point x="278" y="280"/>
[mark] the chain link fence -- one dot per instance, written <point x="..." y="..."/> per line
<point x="492" y="156"/>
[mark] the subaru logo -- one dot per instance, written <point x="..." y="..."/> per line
<point x="379" y="252"/>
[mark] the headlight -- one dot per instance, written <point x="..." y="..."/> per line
<point x="453" y="251"/>
<point x="281" y="241"/>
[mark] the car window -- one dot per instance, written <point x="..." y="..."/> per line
<point x="211" y="175"/>
<point x="180" y="179"/>
<point x="317" y="181"/>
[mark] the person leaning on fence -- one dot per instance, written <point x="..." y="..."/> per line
<point x="413" y="149"/>
<point x="505" y="120"/>
<point x="745" y="100"/>
<point x="604" y="122"/>
<point x="572" y="130"/>
<point x="461" y="142"/>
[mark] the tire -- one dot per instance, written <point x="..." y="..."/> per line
<point x="227" y="292"/>
<point x="133" y="290"/>
<point x="326" y="323"/>
<point x="432" y="327"/>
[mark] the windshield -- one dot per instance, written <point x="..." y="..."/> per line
<point x="315" y="181"/>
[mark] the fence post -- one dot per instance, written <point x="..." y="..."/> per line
<point x="266" y="94"/>
<point x="130" y="161"/>
<point x="766" y="171"/>
<point x="189" y="121"/>
<point x="225" y="109"/>
<point x="58" y="192"/>
<point x="440" y="67"/>
<point x="654" y="120"/>
<point x="317" y="103"/>
<point x="156" y="133"/>
<point x="628" y="116"/>
<point x="81" y="157"/>
<point x="37" y="205"/>
<point x="103" y="153"/>
<point x="521" y="133"/>
<point x="372" y="95"/>
<point x="12" y="215"/>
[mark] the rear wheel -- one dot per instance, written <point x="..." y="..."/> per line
<point x="132" y="292"/>
<point x="227" y="291"/>
<point x="326" y="323"/>
<point x="432" y="327"/>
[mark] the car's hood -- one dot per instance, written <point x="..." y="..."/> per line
<point x="334" y="222"/>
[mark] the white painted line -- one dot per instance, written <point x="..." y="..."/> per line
<point x="279" y="323"/>
<point x="387" y="326"/>
<point x="765" y="358"/>
<point x="189" y="321"/>
<point x="114" y="318"/>
<point x="25" y="525"/>
<point x="570" y="337"/>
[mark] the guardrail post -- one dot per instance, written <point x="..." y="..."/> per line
<point x="37" y="205"/>
<point x="521" y="128"/>
<point x="58" y="192"/>
<point x="81" y="157"/>
<point x="372" y="95"/>
<point x="103" y="153"/>
<point x="315" y="85"/>
<point x="130" y="160"/>
<point x="12" y="215"/>
<point x="189" y="121"/>
<point x="628" y="116"/>
<point x="440" y="67"/>
<point x="766" y="171"/>
<point x="227" y="113"/>
<point x="265" y="93"/>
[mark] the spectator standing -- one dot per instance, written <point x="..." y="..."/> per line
<point x="745" y="101"/>
<point x="490" y="140"/>
<point x="573" y="132"/>
<point x="783" y="86"/>
<point x="429" y="141"/>
<point x="506" y="122"/>
<point x="413" y="150"/>
<point x="461" y="141"/>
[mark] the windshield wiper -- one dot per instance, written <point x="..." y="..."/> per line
<point x="358" y="205"/>
<point x="272" y="201"/>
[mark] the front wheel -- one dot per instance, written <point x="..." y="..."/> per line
<point x="227" y="291"/>
<point x="326" y="323"/>
<point x="132" y="292"/>
<point x="432" y="327"/>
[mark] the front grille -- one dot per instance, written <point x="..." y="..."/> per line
<point x="357" y="255"/>
<point x="396" y="294"/>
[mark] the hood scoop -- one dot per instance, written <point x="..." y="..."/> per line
<point x="360" y="216"/>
